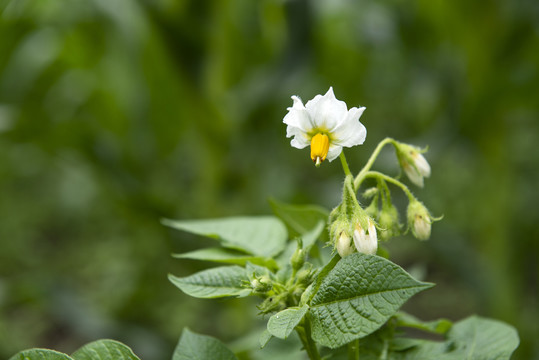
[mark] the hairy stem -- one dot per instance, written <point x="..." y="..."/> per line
<point x="389" y="179"/>
<point x="345" y="164"/>
<point x="361" y="176"/>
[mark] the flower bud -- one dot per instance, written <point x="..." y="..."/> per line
<point x="304" y="276"/>
<point x="372" y="210"/>
<point x="366" y="241"/>
<point x="413" y="163"/>
<point x="370" y="192"/>
<point x="344" y="245"/>
<point x="261" y="284"/>
<point x="298" y="259"/>
<point x="388" y="222"/>
<point x="419" y="220"/>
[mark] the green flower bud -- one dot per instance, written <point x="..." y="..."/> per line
<point x="370" y="192"/>
<point x="372" y="210"/>
<point x="298" y="259"/>
<point x="273" y="303"/>
<point x="304" y="276"/>
<point x="419" y="220"/>
<point x="388" y="222"/>
<point x="261" y="284"/>
<point x="414" y="164"/>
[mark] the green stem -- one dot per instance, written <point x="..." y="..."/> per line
<point x="361" y="176"/>
<point x="309" y="345"/>
<point x="353" y="350"/>
<point x="345" y="164"/>
<point x="389" y="179"/>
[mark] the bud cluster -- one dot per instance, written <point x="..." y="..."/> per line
<point x="352" y="228"/>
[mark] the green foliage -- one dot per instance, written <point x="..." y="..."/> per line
<point x="97" y="350"/>
<point x="357" y="297"/>
<point x="104" y="350"/>
<point x="472" y="338"/>
<point x="228" y="256"/>
<point x="193" y="346"/>
<point x="299" y="219"/>
<point x="40" y="354"/>
<point x="342" y="300"/>
<point x="264" y="236"/>
<point x="217" y="282"/>
<point x="284" y="322"/>
<point x="115" y="114"/>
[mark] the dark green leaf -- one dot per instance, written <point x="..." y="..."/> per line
<point x="357" y="297"/>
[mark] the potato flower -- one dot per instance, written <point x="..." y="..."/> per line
<point x="325" y="124"/>
<point x="366" y="241"/>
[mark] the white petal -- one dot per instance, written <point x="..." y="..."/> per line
<point x="300" y="142"/>
<point x="298" y="116"/>
<point x="326" y="111"/>
<point x="334" y="152"/>
<point x="344" y="246"/>
<point x="414" y="175"/>
<point x="365" y="243"/>
<point x="351" y="132"/>
<point x="422" y="165"/>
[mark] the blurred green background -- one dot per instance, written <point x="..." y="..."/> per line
<point x="114" y="114"/>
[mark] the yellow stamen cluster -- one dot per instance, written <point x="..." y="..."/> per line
<point x="319" y="148"/>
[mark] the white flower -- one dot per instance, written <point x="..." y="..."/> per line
<point x="325" y="124"/>
<point x="366" y="242"/>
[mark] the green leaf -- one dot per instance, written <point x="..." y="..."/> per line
<point x="104" y="350"/>
<point x="216" y="282"/>
<point x="193" y="346"/>
<point x="472" y="338"/>
<point x="227" y="256"/>
<point x="480" y="338"/>
<point x="40" y="354"/>
<point x="264" y="338"/>
<point x="299" y="219"/>
<point x="262" y="235"/>
<point x="357" y="297"/>
<point x="283" y="323"/>
<point x="309" y="238"/>
<point x="440" y="326"/>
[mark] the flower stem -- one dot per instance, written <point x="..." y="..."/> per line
<point x="345" y="164"/>
<point x="361" y="176"/>
<point x="309" y="345"/>
<point x="389" y="179"/>
<point x="353" y="350"/>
